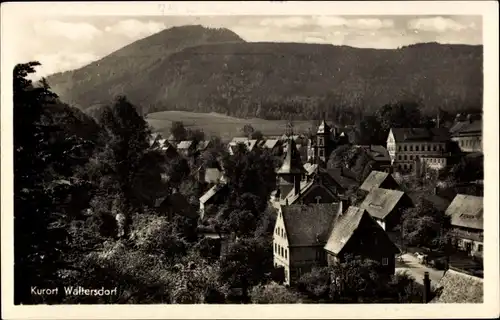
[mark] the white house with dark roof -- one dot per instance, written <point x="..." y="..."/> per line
<point x="322" y="234"/>
<point x="407" y="145"/>
<point x="386" y="206"/>
<point x="466" y="214"/>
<point x="299" y="236"/>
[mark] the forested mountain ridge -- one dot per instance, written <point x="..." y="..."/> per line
<point x="198" y="69"/>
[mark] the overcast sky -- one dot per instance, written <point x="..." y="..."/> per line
<point x="72" y="42"/>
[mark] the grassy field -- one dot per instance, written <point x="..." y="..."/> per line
<point x="218" y="124"/>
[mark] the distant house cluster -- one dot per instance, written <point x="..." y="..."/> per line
<point x="317" y="224"/>
<point x="414" y="150"/>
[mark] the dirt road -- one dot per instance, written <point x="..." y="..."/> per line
<point x="417" y="270"/>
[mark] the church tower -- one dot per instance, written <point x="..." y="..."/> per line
<point x="291" y="171"/>
<point x="322" y="139"/>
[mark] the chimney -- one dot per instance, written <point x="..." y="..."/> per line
<point x="427" y="287"/>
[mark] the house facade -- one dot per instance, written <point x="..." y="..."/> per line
<point x="299" y="236"/>
<point x="466" y="213"/>
<point x="407" y="145"/>
<point x="467" y="132"/>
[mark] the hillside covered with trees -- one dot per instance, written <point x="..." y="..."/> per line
<point x="193" y="68"/>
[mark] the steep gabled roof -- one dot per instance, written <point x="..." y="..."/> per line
<point x="458" y="287"/>
<point x="467" y="127"/>
<point x="292" y="164"/>
<point x="270" y="143"/>
<point x="380" y="202"/>
<point x="420" y="134"/>
<point x="310" y="168"/>
<point x="186" y="144"/>
<point x="343" y="177"/>
<point x="202" y="145"/>
<point x="377" y="152"/>
<point x="342" y="229"/>
<point x="179" y="204"/>
<point x="237" y="140"/>
<point x="212" y="175"/>
<point x="466" y="211"/>
<point x="212" y="192"/>
<point x="323" y="128"/>
<point x="250" y="144"/>
<point x="374" y="180"/>
<point x="308" y="225"/>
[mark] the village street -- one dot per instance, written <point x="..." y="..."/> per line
<point x="410" y="263"/>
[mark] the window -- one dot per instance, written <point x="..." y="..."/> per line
<point x="321" y="152"/>
<point x="275" y="247"/>
<point x="281" y="251"/>
<point x="282" y="232"/>
<point x="411" y="157"/>
<point x="385" y="261"/>
<point x="411" y="148"/>
<point x="416" y="148"/>
<point x="428" y="148"/>
<point x="400" y="157"/>
<point x="406" y="148"/>
<point x="399" y="148"/>
<point x="480" y="247"/>
<point x="405" y="157"/>
<point x="286" y="253"/>
<point x="435" y="148"/>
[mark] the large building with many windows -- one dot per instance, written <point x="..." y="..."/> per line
<point x="408" y="145"/>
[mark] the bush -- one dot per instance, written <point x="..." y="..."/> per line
<point x="273" y="293"/>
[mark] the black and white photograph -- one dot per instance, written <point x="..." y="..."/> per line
<point x="289" y="158"/>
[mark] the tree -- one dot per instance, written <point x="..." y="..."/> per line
<point x="403" y="114"/>
<point x="178" y="131"/>
<point x="424" y="225"/>
<point x="257" y="135"/>
<point x="247" y="130"/>
<point x="250" y="172"/>
<point x="45" y="157"/>
<point x="316" y="284"/>
<point x="247" y="263"/>
<point x="371" y="131"/>
<point x="273" y="293"/>
<point x="196" y="135"/>
<point x="128" y="135"/>
<point x="357" y="280"/>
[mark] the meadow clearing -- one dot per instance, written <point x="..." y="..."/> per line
<point x="221" y="125"/>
